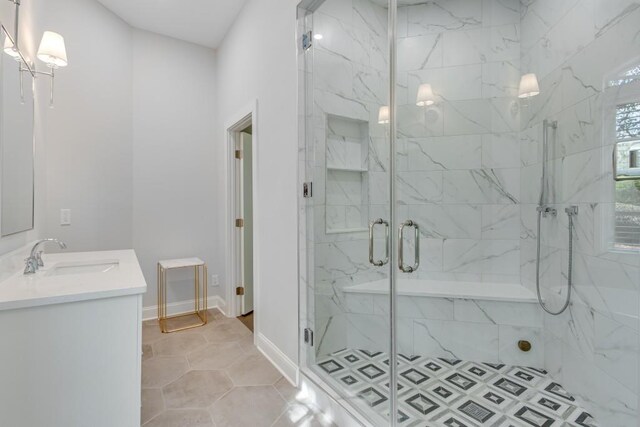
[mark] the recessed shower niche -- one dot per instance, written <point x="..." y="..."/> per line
<point x="346" y="174"/>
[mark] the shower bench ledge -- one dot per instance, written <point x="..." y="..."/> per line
<point x="507" y="292"/>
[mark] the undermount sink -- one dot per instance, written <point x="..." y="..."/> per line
<point x="83" y="267"/>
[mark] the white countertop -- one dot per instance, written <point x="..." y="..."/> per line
<point x="180" y="263"/>
<point x="21" y="291"/>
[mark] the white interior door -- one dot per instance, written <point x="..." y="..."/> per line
<point x="247" y="230"/>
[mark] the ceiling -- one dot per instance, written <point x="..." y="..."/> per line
<point x="204" y="22"/>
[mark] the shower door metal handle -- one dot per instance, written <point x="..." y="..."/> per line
<point x="372" y="224"/>
<point x="401" y="266"/>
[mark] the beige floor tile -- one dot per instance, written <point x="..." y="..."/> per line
<point x="178" y="344"/>
<point x="247" y="345"/>
<point x="218" y="319"/>
<point x="184" y="321"/>
<point x="151" y="333"/>
<point x="182" y="418"/>
<point x="215" y="356"/>
<point x="248" y="407"/>
<point x="215" y="314"/>
<point x="226" y="331"/>
<point x="253" y="369"/>
<point x="147" y="352"/>
<point x="196" y="389"/>
<point x="160" y="371"/>
<point x="286" y="390"/>
<point x="150" y="322"/>
<point x="187" y="371"/>
<point x="152" y="403"/>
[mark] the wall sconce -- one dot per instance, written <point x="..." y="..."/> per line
<point x="528" y="86"/>
<point x="9" y="49"/>
<point x="383" y="115"/>
<point x="52" y="52"/>
<point x="425" y="96"/>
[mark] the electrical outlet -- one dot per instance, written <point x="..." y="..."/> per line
<point x="65" y="216"/>
<point x="215" y="280"/>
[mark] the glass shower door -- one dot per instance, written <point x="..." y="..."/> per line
<point x="468" y="332"/>
<point x="348" y="214"/>
<point x="507" y="115"/>
<point x="472" y="229"/>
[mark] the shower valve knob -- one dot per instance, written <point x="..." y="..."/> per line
<point x="547" y="210"/>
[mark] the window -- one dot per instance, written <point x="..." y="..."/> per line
<point x="627" y="190"/>
<point x="627" y="231"/>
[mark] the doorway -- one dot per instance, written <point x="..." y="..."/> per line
<point x="242" y="289"/>
<point x="244" y="224"/>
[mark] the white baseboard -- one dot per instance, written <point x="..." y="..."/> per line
<point x="151" y="312"/>
<point x="280" y="360"/>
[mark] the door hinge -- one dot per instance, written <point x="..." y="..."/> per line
<point x="308" y="336"/>
<point x="307" y="190"/>
<point x="239" y="222"/>
<point x="238" y="154"/>
<point x="306" y="40"/>
<point x="240" y="290"/>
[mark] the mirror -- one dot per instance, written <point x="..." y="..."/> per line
<point x="16" y="145"/>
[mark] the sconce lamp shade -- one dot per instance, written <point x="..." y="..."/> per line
<point x="52" y="50"/>
<point x="425" y="96"/>
<point x="383" y="115"/>
<point x="8" y="48"/>
<point x="528" y="86"/>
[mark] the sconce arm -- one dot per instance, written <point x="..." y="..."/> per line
<point x="50" y="74"/>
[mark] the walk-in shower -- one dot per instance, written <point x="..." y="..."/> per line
<point x="469" y="250"/>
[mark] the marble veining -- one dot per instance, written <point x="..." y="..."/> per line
<point x="469" y="172"/>
<point x="434" y="16"/>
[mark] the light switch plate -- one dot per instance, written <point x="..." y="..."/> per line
<point x="65" y="216"/>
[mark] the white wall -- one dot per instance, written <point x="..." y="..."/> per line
<point x="87" y="135"/>
<point x="117" y="75"/>
<point x="89" y="132"/>
<point x="135" y="146"/>
<point x="257" y="60"/>
<point x="175" y="204"/>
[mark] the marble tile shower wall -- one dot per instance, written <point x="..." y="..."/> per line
<point x="469" y="166"/>
<point x="349" y="85"/>
<point x="459" y="159"/>
<point x="575" y="47"/>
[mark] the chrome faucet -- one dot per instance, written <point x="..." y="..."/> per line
<point x="35" y="259"/>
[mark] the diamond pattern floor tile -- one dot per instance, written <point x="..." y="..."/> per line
<point x="455" y="393"/>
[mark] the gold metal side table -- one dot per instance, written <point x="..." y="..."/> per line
<point x="200" y="298"/>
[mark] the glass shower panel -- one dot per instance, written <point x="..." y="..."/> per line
<point x="348" y="156"/>
<point x="512" y="207"/>
<point x="524" y="308"/>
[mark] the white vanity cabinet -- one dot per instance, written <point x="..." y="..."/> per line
<point x="71" y="340"/>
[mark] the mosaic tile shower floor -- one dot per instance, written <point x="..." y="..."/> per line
<point x="454" y="393"/>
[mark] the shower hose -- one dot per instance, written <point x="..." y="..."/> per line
<point x="571" y="212"/>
